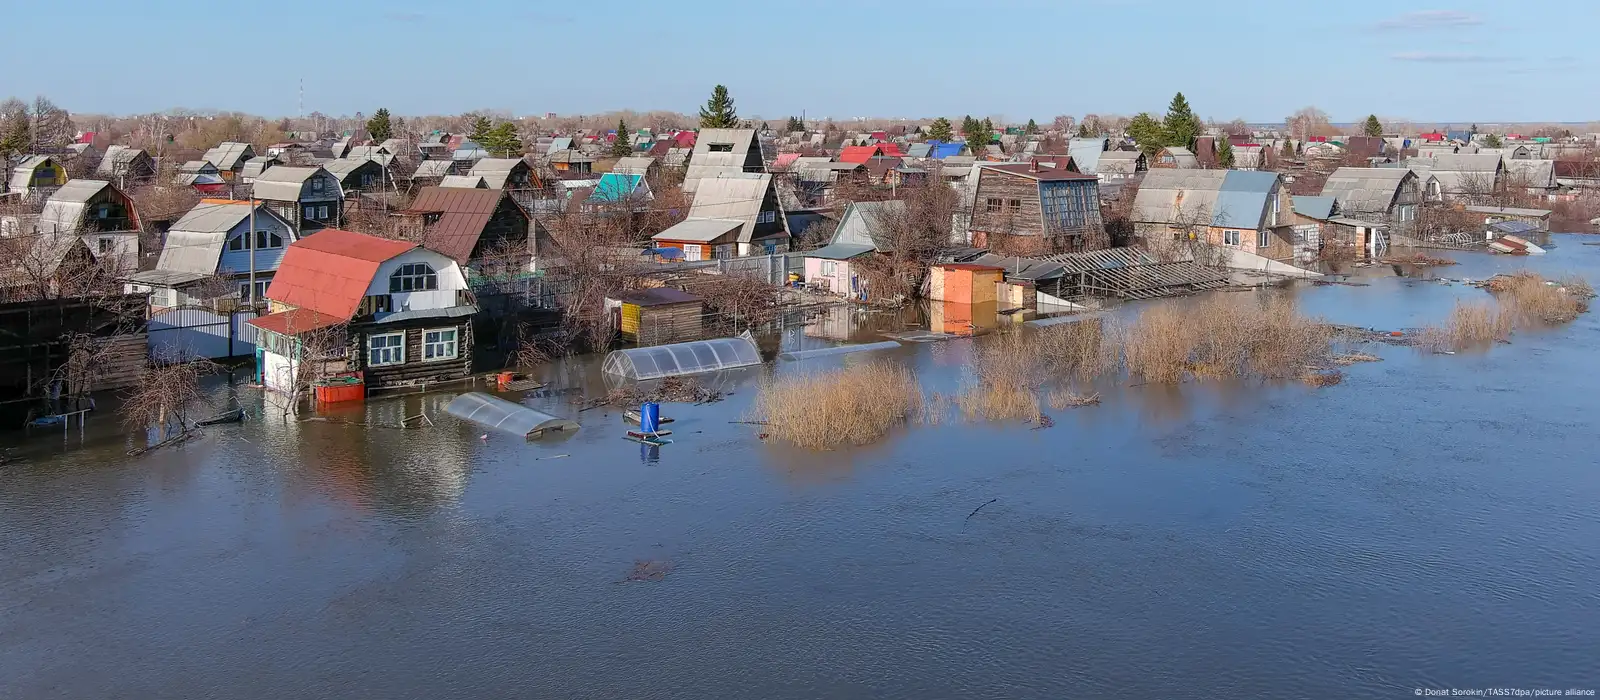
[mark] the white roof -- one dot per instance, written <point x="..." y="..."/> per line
<point x="700" y="230"/>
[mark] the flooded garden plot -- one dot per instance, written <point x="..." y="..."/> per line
<point x="1212" y="526"/>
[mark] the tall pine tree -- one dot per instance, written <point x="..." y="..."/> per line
<point x="1372" y="127"/>
<point x="481" y="126"/>
<point x="796" y="124"/>
<point x="378" y="127"/>
<point x="940" y="130"/>
<point x="979" y="136"/>
<point x="1180" y="126"/>
<point x="1032" y="128"/>
<point x="719" y="112"/>
<point x="622" y="147"/>
<point x="1147" y="133"/>
<point x="1224" y="153"/>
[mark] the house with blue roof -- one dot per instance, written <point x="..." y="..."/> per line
<point x="621" y="187"/>
<point x="1249" y="211"/>
<point x="940" y="150"/>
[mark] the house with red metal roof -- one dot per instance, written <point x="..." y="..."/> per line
<point x="862" y="154"/>
<point x="350" y="308"/>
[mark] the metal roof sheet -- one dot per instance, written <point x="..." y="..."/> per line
<point x="433" y="168"/>
<point x="699" y="230"/>
<point x="1316" y="207"/>
<point x="635" y="165"/>
<point x="840" y="251"/>
<point x="284" y="182"/>
<point x="740" y="140"/>
<point x="463" y="182"/>
<point x="462" y="216"/>
<point x="229" y="155"/>
<point x="329" y="272"/>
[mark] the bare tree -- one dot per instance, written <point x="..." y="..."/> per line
<point x="164" y="394"/>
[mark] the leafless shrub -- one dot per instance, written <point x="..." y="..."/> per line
<point x="1469" y="325"/>
<point x="1532" y="299"/>
<point x="1322" y="378"/>
<point x="852" y="406"/>
<point x="1008" y="372"/>
<point x="1066" y="398"/>
<point x="164" y="394"/>
<point x="1224" y="336"/>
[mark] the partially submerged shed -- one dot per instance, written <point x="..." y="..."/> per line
<point x="658" y="315"/>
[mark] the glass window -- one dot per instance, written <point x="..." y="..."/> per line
<point x="1263" y="239"/>
<point x="322" y="212"/>
<point x="766" y="217"/>
<point x="993" y="205"/>
<point x="1230" y="237"/>
<point x="439" y="344"/>
<point x="386" y="349"/>
<point x="237" y="242"/>
<point x="1014" y="203"/>
<point x="105" y="245"/>
<point x="829" y="267"/>
<point x="316" y="184"/>
<point x="413" y="277"/>
<point x="311" y="212"/>
<point x="261" y="290"/>
<point x="268" y="239"/>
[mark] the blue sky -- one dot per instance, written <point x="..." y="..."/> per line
<point x="1480" y="60"/>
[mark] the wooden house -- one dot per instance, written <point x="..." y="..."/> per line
<point x="255" y="166"/>
<point x="657" y="316"/>
<point x="1240" y="210"/>
<point x="384" y="313"/>
<point x="102" y="215"/>
<point x="308" y="198"/>
<point x="430" y="172"/>
<point x="571" y="162"/>
<point x="730" y="217"/>
<point x="37" y="341"/>
<point x="126" y="166"/>
<point x="211" y="256"/>
<point x="358" y="175"/>
<point x="1035" y="202"/>
<point x="965" y="283"/>
<point x="202" y="176"/>
<point x="1389" y="197"/>
<point x="230" y="157"/>
<point x="484" y="230"/>
<point x="37" y="176"/>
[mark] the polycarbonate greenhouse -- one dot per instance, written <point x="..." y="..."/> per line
<point x="695" y="357"/>
<point x="500" y="414"/>
<point x="838" y="350"/>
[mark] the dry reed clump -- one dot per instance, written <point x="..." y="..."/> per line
<point x="1009" y="371"/>
<point x="1066" y="398"/>
<point x="1533" y="299"/>
<point x="1350" y="358"/>
<point x="1469" y="325"/>
<point x="851" y="406"/>
<point x="1079" y="349"/>
<point x="1224" y="336"/>
<point x="1323" y="378"/>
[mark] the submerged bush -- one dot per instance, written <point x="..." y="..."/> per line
<point x="851" y="406"/>
<point x="1533" y="299"/>
<point x="1469" y="325"/>
<point x="1224" y="336"/>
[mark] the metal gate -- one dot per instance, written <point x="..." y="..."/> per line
<point x="193" y="332"/>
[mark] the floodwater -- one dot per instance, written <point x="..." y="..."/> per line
<point x="1431" y="522"/>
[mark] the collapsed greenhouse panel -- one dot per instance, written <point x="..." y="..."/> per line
<point x="696" y="357"/>
<point x="505" y="416"/>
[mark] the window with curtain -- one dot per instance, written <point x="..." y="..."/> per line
<point x="386" y="349"/>
<point x="439" y="344"/>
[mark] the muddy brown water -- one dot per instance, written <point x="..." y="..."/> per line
<point x="1430" y="522"/>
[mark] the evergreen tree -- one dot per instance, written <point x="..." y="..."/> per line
<point x="796" y="124"/>
<point x="502" y="140"/>
<point x="1373" y="127"/>
<point x="623" y="146"/>
<point x="719" y="112"/>
<point x="481" y="126"/>
<point x="1288" y="149"/>
<point x="988" y="126"/>
<point x="378" y="127"/>
<point x="1180" y="126"/>
<point x="940" y="130"/>
<point x="1031" y="129"/>
<point x="1224" y="153"/>
<point x="1492" y="141"/>
<point x="1147" y="133"/>
<point x="1083" y="130"/>
<point x="979" y="136"/>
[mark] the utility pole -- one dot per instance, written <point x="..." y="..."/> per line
<point x="252" y="250"/>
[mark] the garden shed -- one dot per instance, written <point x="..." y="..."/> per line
<point x="657" y="315"/>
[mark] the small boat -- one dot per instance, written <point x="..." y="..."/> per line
<point x="234" y="416"/>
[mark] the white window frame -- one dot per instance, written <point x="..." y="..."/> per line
<point x="270" y="238"/>
<point x="453" y="344"/>
<point x="106" y="245"/>
<point x="322" y="212"/>
<point x="829" y="268"/>
<point x="692" y="252"/>
<point x="311" y="211"/>
<point x="391" y="354"/>
<point x="316" y="184"/>
<point x="420" y="274"/>
<point x="237" y="243"/>
<point x="1230" y="237"/>
<point x="1263" y="238"/>
<point x="766" y="217"/>
<point x="261" y="289"/>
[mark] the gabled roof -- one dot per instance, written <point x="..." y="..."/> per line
<point x="433" y="168"/>
<point x="740" y="139"/>
<point x="496" y="172"/>
<point x="194" y="244"/>
<point x="66" y="208"/>
<point x="1527" y="172"/>
<point x="737" y="199"/>
<point x="463" y="214"/>
<point x="463" y="182"/>
<point x="1087" y="152"/>
<point x="862" y="225"/>
<point x="1041" y="172"/>
<point x="1176" y="195"/>
<point x="343" y="167"/>
<point x="1184" y="157"/>
<point x="229" y="155"/>
<point x="699" y="230"/>
<point x="117" y="160"/>
<point x="330" y="272"/>
<point x="940" y="150"/>
<point x="283" y="183"/>
<point x="634" y="165"/>
<point x="1316" y="207"/>
<point x="1119" y="162"/>
<point x="1365" y="191"/>
<point x="1467" y="162"/>
<point x="615" y="187"/>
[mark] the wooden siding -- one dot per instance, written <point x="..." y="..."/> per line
<point x="661" y="324"/>
<point x="415" y="371"/>
<point x="1026" y="220"/>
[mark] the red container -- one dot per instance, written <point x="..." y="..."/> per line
<point x="341" y="392"/>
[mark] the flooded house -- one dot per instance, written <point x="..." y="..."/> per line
<point x="1236" y="210"/>
<point x="657" y="316"/>
<point x="1539" y="218"/>
<point x="309" y="198"/>
<point x="1470" y="178"/>
<point x="375" y="312"/>
<point x="1035" y="203"/>
<point x="1389" y="197"/>
<point x="732" y="216"/>
<point x="861" y="232"/>
<point x="1533" y="176"/>
<point x="211" y="256"/>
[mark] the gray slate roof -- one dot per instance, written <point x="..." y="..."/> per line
<point x="283" y="183"/>
<point x="1316" y="207"/>
<point x="433" y="168"/>
<point x="1365" y="191"/>
<point x="64" y="210"/>
<point x="229" y="155"/>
